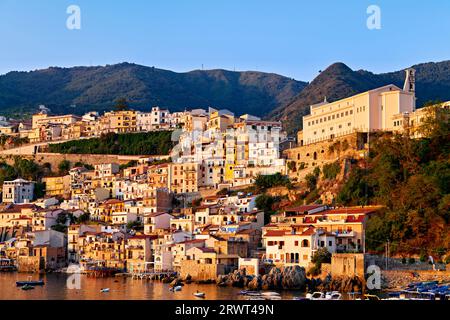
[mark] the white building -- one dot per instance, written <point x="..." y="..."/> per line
<point x="18" y="191"/>
<point x="369" y="111"/>
<point x="159" y="118"/>
<point x="106" y="170"/>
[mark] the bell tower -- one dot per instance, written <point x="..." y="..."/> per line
<point x="410" y="84"/>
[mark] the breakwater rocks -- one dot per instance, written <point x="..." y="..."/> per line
<point x="341" y="284"/>
<point x="290" y="278"/>
<point x="293" y="278"/>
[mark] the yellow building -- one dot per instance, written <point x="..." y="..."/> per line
<point x="42" y="118"/>
<point x="57" y="186"/>
<point x="184" y="177"/>
<point x="119" y="121"/>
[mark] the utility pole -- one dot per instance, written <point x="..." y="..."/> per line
<point x="385" y="256"/>
<point x="387" y="253"/>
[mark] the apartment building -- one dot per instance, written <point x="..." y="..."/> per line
<point x="57" y="186"/>
<point x="119" y="121"/>
<point x="42" y="119"/>
<point x="18" y="191"/>
<point x="184" y="177"/>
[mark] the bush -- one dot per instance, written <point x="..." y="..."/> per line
<point x="331" y="170"/>
<point x="423" y="257"/>
<point x="142" y="143"/>
<point x="322" y="255"/>
<point x="134" y="225"/>
<point x="403" y="260"/>
<point x="263" y="182"/>
<point x="411" y="260"/>
<point x="314" y="271"/>
<point x="64" y="167"/>
<point x="311" y="181"/>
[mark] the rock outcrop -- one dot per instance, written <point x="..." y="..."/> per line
<point x="285" y="278"/>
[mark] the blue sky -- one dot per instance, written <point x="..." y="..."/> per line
<point x="294" y="38"/>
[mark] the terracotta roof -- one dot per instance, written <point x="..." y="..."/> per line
<point x="192" y="241"/>
<point x="350" y="210"/>
<point x="156" y="214"/>
<point x="207" y="249"/>
<point x="304" y="208"/>
<point x="113" y="201"/>
<point x="144" y="236"/>
<point x="275" y="233"/>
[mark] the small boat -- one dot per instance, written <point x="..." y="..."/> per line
<point x="315" y="296"/>
<point x="270" y="294"/>
<point x="176" y="288"/>
<point x="249" y="293"/>
<point x="255" y="298"/>
<point x="272" y="298"/>
<point x="30" y="283"/>
<point x="199" y="294"/>
<point x="104" y="290"/>
<point x="333" y="296"/>
<point x="27" y="287"/>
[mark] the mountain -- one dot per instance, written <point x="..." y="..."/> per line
<point x="81" y="89"/>
<point x="339" y="81"/>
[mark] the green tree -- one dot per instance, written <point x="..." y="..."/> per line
<point x="121" y="104"/>
<point x="64" y="167"/>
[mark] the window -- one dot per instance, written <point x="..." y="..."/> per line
<point x="296" y="243"/>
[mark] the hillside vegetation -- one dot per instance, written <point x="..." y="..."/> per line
<point x="81" y="89"/>
<point x="146" y="143"/>
<point x="410" y="177"/>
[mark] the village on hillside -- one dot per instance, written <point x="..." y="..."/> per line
<point x="234" y="202"/>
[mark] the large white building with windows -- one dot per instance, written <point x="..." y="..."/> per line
<point x="18" y="191"/>
<point x="369" y="111"/>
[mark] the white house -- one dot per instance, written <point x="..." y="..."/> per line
<point x="18" y="191"/>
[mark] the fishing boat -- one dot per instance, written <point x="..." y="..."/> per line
<point x="199" y="294"/>
<point x="30" y="283"/>
<point x="104" y="290"/>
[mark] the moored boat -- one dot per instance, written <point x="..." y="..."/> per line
<point x="199" y="294"/>
<point x="30" y="283"/>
